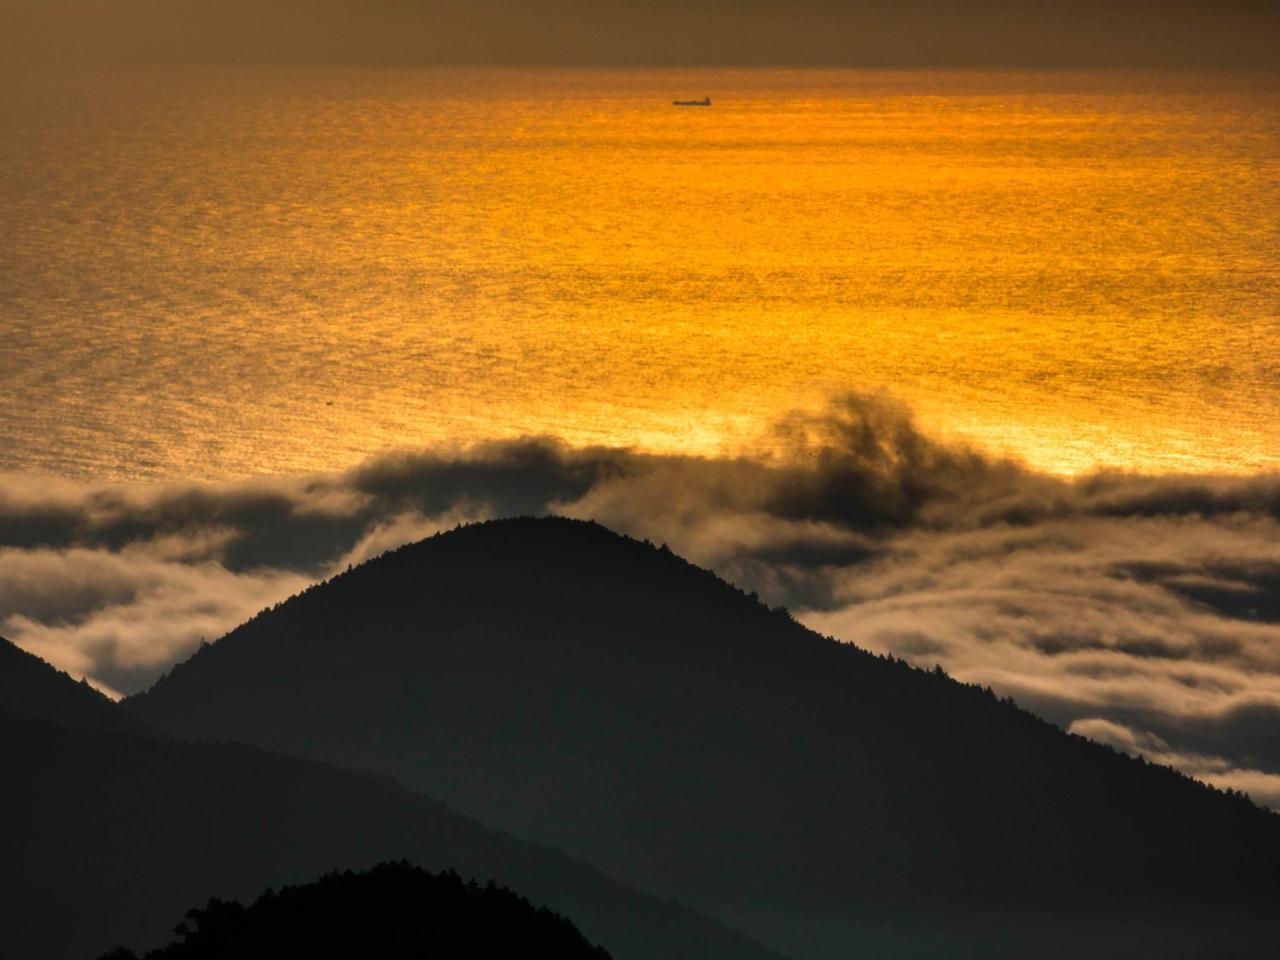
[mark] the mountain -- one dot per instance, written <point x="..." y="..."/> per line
<point x="109" y="836"/>
<point x="392" y="912"/>
<point x="601" y="695"/>
<point x="29" y="687"/>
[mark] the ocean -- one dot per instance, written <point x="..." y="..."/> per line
<point x="221" y="273"/>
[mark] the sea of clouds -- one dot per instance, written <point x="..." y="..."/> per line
<point x="1141" y="611"/>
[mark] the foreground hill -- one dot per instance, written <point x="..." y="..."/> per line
<point x="393" y="912"/>
<point x="604" y="696"/>
<point x="108" y="837"/>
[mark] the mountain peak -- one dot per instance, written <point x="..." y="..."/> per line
<point x="605" y="697"/>
<point x="545" y="576"/>
<point x="557" y="545"/>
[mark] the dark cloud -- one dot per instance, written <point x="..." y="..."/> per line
<point x="1147" y="603"/>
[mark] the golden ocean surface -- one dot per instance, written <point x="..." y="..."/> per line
<point x="230" y="272"/>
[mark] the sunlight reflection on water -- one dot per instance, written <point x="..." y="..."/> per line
<point x="214" y="274"/>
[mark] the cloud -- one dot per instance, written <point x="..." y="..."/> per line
<point x="1148" y="603"/>
<point x="121" y="618"/>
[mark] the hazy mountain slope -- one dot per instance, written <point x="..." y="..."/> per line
<point x="108" y="838"/>
<point x="392" y="912"/>
<point x="29" y="687"/>
<point x="604" y="696"/>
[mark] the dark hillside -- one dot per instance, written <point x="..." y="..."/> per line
<point x="29" y="687"/>
<point x="606" y="697"/>
<point x="108" y="838"/>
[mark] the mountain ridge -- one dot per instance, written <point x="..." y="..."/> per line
<point x="113" y="833"/>
<point x="31" y="687"/>
<point x="602" y="695"/>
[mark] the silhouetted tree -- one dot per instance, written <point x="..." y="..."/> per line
<point x="394" y="911"/>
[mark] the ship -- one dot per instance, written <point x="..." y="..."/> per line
<point x="704" y="102"/>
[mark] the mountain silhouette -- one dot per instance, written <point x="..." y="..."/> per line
<point x="29" y="687"/>
<point x="109" y="837"/>
<point x="604" y="696"/>
<point x="395" y="911"/>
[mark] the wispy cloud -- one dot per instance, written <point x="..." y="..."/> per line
<point x="1141" y="610"/>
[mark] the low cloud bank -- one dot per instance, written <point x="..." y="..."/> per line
<point x="1142" y="611"/>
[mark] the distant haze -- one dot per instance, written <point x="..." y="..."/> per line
<point x="667" y="32"/>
